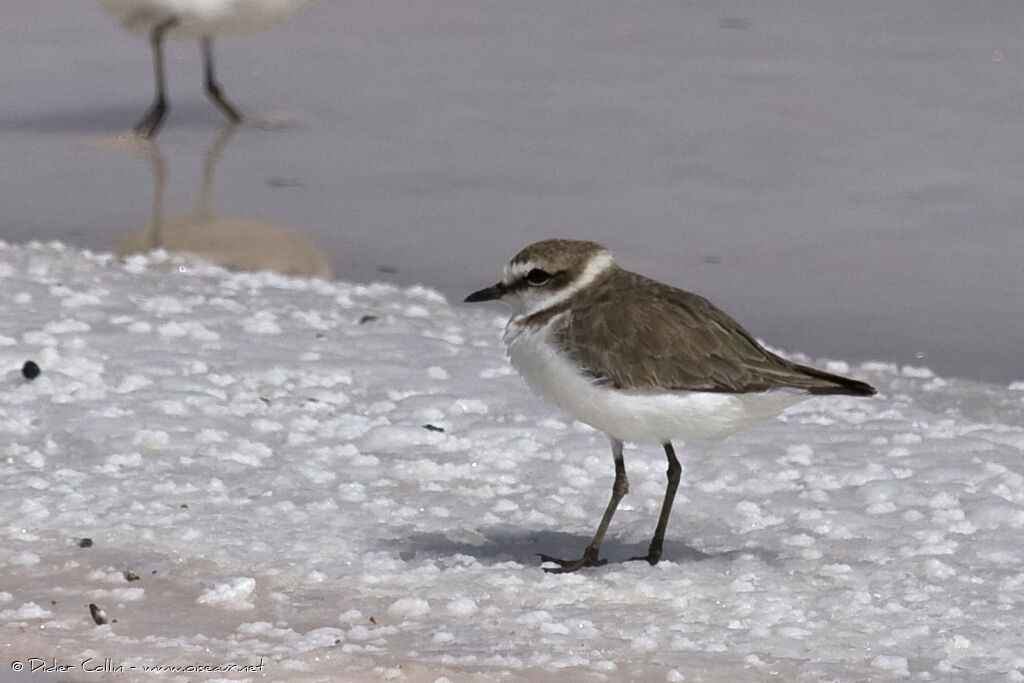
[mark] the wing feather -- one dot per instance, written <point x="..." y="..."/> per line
<point x="636" y="332"/>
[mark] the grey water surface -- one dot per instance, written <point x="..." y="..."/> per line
<point x="845" y="179"/>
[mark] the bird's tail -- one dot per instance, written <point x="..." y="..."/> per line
<point x="835" y="384"/>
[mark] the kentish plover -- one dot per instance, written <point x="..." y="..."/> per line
<point x="639" y="360"/>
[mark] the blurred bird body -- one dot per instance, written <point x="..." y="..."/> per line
<point x="198" y="18"/>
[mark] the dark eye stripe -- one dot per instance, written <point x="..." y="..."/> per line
<point x="556" y="280"/>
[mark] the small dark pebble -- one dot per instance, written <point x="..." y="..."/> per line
<point x="284" y="182"/>
<point x="98" y="615"/>
<point x="367" y="319"/>
<point x="85" y="543"/>
<point x="130" y="576"/>
<point x="433" y="428"/>
<point x="30" y="370"/>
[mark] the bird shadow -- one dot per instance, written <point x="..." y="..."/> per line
<point x="106" y="119"/>
<point x="119" y="119"/>
<point x="499" y="545"/>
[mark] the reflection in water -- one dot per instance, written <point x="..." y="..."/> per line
<point x="234" y="242"/>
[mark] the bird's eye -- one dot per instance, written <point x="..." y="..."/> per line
<point x="537" y="277"/>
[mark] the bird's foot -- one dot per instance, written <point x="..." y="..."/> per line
<point x="589" y="559"/>
<point x="651" y="558"/>
<point x="146" y="132"/>
<point x="149" y="124"/>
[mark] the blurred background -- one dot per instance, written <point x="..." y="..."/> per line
<point x="845" y="179"/>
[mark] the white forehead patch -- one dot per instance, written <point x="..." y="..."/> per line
<point x="515" y="270"/>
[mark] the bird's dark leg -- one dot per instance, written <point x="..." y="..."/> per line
<point x="150" y="122"/>
<point x="212" y="87"/>
<point x="619" y="489"/>
<point x="674" y="470"/>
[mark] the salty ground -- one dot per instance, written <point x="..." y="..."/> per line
<point x="345" y="482"/>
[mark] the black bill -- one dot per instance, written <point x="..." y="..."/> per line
<point x="487" y="294"/>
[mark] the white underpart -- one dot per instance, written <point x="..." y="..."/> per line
<point x="532" y="300"/>
<point x="201" y="17"/>
<point x="649" y="417"/>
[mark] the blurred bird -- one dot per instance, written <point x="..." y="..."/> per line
<point x="200" y="20"/>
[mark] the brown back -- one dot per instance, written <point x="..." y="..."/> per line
<point x="633" y="332"/>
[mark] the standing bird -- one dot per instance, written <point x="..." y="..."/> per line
<point x="200" y="20"/>
<point x="639" y="360"/>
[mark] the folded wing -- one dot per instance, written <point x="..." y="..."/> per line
<point x="681" y="341"/>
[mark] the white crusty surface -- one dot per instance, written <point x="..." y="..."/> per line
<point x="258" y="459"/>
